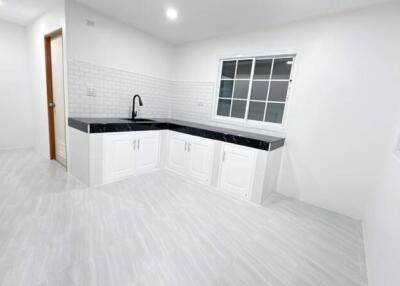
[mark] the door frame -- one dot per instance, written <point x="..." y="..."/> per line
<point x="49" y="88"/>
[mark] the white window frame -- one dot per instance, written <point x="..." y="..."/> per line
<point x="281" y="127"/>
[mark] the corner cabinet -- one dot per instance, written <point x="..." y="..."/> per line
<point x="190" y="155"/>
<point x="146" y="151"/>
<point x="201" y="153"/>
<point x="177" y="152"/>
<point x="130" y="153"/>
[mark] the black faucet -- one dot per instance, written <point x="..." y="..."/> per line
<point x="134" y="113"/>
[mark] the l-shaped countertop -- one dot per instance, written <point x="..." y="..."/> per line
<point x="107" y="125"/>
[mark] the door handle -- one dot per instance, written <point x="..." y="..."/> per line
<point x="223" y="157"/>
<point x="52" y="104"/>
<point x="134" y="144"/>
<point x="189" y="146"/>
<point x="185" y="146"/>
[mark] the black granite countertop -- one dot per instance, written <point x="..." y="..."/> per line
<point x="106" y="125"/>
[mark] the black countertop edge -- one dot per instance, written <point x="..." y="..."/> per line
<point x="111" y="125"/>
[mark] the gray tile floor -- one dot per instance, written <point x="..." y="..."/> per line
<point x="160" y="229"/>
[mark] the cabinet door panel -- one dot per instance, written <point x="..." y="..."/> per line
<point x="147" y="151"/>
<point x="118" y="157"/>
<point x="177" y="155"/>
<point x="201" y="152"/>
<point x="237" y="170"/>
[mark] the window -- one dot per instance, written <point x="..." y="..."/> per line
<point x="254" y="89"/>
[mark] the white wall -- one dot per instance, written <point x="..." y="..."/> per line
<point x="382" y="223"/>
<point x="342" y="104"/>
<point x="113" y="44"/>
<point x="47" y="23"/>
<point x="15" y="97"/>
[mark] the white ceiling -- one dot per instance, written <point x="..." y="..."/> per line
<point x="200" y="19"/>
<point x="24" y="11"/>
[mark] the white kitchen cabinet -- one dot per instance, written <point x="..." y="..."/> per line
<point x="200" y="158"/>
<point x="130" y="153"/>
<point x="245" y="172"/>
<point x="118" y="156"/>
<point x="237" y="170"/>
<point x="177" y="153"/>
<point x="191" y="155"/>
<point x="146" y="151"/>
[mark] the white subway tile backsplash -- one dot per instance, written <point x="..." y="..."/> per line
<point x="111" y="91"/>
<point x="192" y="101"/>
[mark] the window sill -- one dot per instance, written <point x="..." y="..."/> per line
<point x="254" y="126"/>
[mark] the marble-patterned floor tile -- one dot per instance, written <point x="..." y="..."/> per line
<point x="162" y="229"/>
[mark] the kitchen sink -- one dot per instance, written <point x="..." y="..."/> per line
<point x="140" y="120"/>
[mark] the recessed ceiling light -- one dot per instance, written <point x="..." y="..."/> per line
<point x="171" y="13"/>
